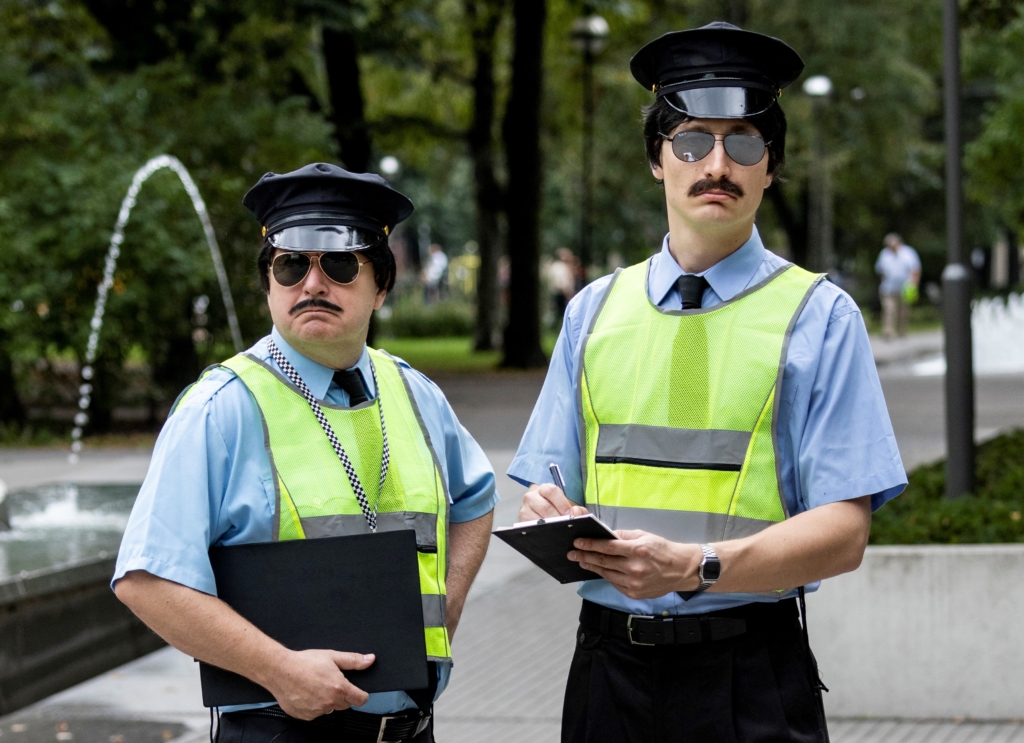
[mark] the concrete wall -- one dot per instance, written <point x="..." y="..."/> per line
<point x="924" y="632"/>
<point x="61" y="626"/>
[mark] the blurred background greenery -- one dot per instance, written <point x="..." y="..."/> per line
<point x="419" y="90"/>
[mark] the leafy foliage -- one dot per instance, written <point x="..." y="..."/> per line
<point x="234" y="88"/>
<point x="995" y="512"/>
<point x="72" y="135"/>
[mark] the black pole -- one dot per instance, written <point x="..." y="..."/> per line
<point x="587" y="207"/>
<point x="956" y="282"/>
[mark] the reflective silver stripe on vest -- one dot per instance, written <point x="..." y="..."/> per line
<point x="681" y="526"/>
<point x="672" y="447"/>
<point x="435" y="610"/>
<point x="425" y="525"/>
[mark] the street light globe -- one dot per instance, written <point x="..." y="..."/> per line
<point x="818" y="85"/>
<point x="589" y="33"/>
<point x="389" y="165"/>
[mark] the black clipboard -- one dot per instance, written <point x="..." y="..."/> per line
<point x="358" y="593"/>
<point x="546" y="541"/>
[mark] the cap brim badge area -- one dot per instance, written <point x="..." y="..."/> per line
<point x="334" y="238"/>
<point x="732" y="102"/>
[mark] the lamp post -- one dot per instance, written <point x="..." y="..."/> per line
<point x="822" y="254"/>
<point x="956" y="281"/>
<point x="589" y="34"/>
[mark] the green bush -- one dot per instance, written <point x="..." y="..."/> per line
<point x="410" y="319"/>
<point x="994" y="513"/>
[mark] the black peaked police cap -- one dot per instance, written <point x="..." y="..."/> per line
<point x="718" y="71"/>
<point x="324" y="194"/>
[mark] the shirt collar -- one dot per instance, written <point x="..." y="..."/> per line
<point x="317" y="376"/>
<point x="727" y="278"/>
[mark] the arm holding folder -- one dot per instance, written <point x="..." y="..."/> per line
<point x="306" y="683"/>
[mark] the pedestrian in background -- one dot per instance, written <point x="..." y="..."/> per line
<point x="435" y="275"/>
<point x="562" y="275"/>
<point x="900" y="268"/>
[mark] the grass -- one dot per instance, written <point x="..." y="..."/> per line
<point x="453" y="354"/>
<point x="42" y="437"/>
<point x="994" y="513"/>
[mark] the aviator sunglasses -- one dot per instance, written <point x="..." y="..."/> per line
<point x="744" y="149"/>
<point x="342" y="268"/>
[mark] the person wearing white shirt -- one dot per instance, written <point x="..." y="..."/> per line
<point x="900" y="268"/>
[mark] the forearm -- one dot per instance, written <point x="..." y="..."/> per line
<point x="467" y="546"/>
<point x="817" y="544"/>
<point x="201" y="625"/>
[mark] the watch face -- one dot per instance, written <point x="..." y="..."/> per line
<point x="711" y="570"/>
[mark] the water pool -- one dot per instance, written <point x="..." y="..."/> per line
<point x="53" y="525"/>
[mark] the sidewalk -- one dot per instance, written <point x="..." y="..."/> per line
<point x="911" y="347"/>
<point x="512" y="654"/>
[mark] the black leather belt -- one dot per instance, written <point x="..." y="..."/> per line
<point x="641" y="629"/>
<point x="355" y="726"/>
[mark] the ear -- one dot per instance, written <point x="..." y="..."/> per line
<point x="768" y="179"/>
<point x="382" y="294"/>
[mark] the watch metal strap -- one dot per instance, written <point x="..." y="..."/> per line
<point x="709" y="554"/>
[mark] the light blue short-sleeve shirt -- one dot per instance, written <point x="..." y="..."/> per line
<point x="835" y="438"/>
<point x="210" y="481"/>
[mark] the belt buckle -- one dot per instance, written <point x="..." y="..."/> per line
<point x="384" y="720"/>
<point x="629" y="629"/>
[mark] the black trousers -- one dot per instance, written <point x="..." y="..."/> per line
<point x="242" y="727"/>
<point x="753" y="688"/>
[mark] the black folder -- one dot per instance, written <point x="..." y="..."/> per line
<point x="357" y="593"/>
<point x="546" y="541"/>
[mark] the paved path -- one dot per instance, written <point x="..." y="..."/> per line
<point x="514" y="645"/>
<point x="511" y="653"/>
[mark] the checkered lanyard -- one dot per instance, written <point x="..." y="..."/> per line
<point x="353" y="478"/>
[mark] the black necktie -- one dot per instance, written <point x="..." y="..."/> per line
<point x="691" y="289"/>
<point x="351" y="381"/>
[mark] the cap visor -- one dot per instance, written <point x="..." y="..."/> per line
<point x="720" y="103"/>
<point x="317" y="238"/>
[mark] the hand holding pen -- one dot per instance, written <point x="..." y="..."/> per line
<point x="546" y="500"/>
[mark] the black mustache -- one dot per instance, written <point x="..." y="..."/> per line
<point x="321" y="303"/>
<point x="722" y="184"/>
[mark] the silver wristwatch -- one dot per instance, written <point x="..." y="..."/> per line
<point x="710" y="568"/>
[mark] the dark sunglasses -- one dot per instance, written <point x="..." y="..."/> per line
<point x="744" y="149"/>
<point x="291" y="268"/>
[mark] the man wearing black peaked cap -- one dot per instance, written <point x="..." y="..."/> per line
<point x="309" y="434"/>
<point x="720" y="409"/>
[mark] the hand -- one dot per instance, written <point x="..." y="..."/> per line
<point x="310" y="683"/>
<point x="639" y="564"/>
<point x="547" y="501"/>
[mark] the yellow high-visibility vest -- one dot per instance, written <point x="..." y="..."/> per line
<point x="314" y="495"/>
<point x="679" y="408"/>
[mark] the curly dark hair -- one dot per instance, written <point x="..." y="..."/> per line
<point x="380" y="257"/>
<point x="660" y="118"/>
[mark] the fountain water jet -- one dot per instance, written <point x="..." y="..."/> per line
<point x="997" y="336"/>
<point x="141" y="176"/>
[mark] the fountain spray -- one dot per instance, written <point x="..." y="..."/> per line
<point x="141" y="176"/>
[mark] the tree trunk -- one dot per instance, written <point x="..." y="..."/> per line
<point x="484" y="17"/>
<point x="12" y="412"/>
<point x="736" y="12"/>
<point x="347" y="110"/>
<point x="107" y="382"/>
<point x="521" y="133"/>
<point x="795" y="225"/>
<point x="1014" y="262"/>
